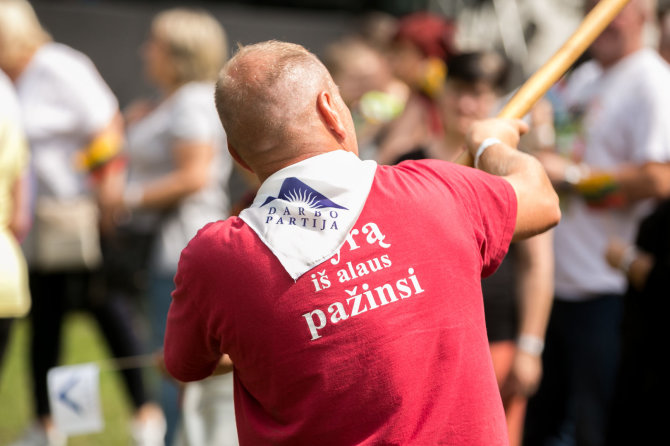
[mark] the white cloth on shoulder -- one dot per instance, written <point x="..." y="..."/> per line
<point x="304" y="212"/>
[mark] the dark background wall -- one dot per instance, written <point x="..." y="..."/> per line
<point x="111" y="32"/>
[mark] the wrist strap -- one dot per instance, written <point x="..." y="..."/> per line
<point x="574" y="173"/>
<point x="488" y="142"/>
<point x="530" y="344"/>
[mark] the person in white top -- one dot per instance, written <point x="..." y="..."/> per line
<point x="72" y="125"/>
<point x="177" y="182"/>
<point x="620" y="105"/>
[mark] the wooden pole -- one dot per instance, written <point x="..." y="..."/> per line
<point x="539" y="83"/>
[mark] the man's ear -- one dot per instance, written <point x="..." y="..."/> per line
<point x="328" y="111"/>
<point x="236" y="156"/>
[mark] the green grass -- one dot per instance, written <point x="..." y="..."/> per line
<point x="82" y="343"/>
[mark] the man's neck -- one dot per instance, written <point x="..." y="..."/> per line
<point x="266" y="171"/>
<point x="634" y="47"/>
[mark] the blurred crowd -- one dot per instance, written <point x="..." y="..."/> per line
<point x="96" y="204"/>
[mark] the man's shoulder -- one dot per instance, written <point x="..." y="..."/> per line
<point x="71" y="74"/>
<point x="438" y="185"/>
<point x="429" y="171"/>
<point x="419" y="167"/>
<point x="642" y="74"/>
<point x="646" y="58"/>
<point x="654" y="73"/>
<point x="218" y="244"/>
<point x="220" y="235"/>
<point x="60" y="60"/>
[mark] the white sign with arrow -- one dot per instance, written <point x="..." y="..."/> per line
<point x="74" y="396"/>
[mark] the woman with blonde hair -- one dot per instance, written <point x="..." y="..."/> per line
<point x="177" y="182"/>
<point x="72" y="125"/>
<point x="21" y="35"/>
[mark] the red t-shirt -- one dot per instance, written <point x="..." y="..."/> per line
<point x="384" y="343"/>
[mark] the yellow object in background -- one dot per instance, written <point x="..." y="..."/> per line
<point x="14" y="290"/>
<point x="100" y="151"/>
<point x="378" y="107"/>
<point x="433" y="77"/>
<point x="601" y="190"/>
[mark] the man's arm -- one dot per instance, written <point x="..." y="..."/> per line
<point x="103" y="161"/>
<point x="535" y="294"/>
<point x="537" y="202"/>
<point x="634" y="263"/>
<point x="631" y="182"/>
<point x="224" y="366"/>
<point x="191" y="349"/>
<point x="649" y="180"/>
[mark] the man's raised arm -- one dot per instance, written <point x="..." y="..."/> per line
<point x="492" y="144"/>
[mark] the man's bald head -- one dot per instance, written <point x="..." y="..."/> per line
<point x="266" y="96"/>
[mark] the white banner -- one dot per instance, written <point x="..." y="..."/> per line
<point x="74" y="396"/>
